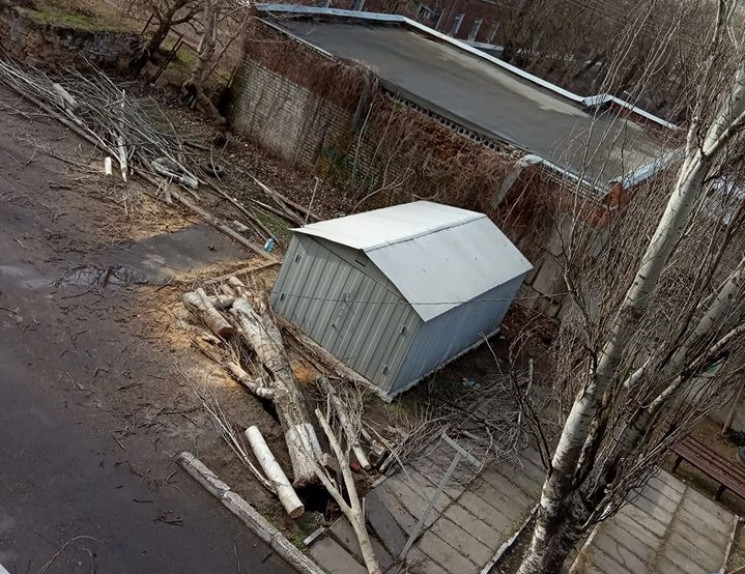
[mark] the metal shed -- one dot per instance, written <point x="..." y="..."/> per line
<point x="396" y="293"/>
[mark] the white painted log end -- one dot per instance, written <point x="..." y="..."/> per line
<point x="273" y="471"/>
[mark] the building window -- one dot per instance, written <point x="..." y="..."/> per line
<point x="474" y="31"/>
<point x="425" y="12"/>
<point x="456" y="23"/>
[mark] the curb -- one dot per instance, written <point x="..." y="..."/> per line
<point x="247" y="514"/>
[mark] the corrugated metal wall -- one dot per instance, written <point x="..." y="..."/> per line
<point x="337" y="297"/>
<point x="445" y="336"/>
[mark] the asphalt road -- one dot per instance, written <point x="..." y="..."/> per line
<point x="74" y="497"/>
<point x="60" y="487"/>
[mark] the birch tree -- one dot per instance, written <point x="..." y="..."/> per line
<point x="633" y="359"/>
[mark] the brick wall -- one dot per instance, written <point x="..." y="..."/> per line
<point x="284" y="116"/>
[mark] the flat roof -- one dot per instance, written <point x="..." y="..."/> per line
<point x="487" y="98"/>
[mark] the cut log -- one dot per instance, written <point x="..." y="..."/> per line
<point x="199" y="303"/>
<point x="224" y="301"/>
<point x="286" y="494"/>
<point x="302" y="442"/>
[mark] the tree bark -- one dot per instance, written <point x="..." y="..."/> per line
<point x="300" y="436"/>
<point x="286" y="494"/>
<point x="353" y="509"/>
<point x="560" y="485"/>
<point x="201" y="305"/>
<point x="554" y="537"/>
<point x="194" y="85"/>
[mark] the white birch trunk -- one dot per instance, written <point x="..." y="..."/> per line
<point x="273" y="471"/>
<point x="559" y="487"/>
<point x="352" y="510"/>
<point x="204" y="307"/>
<point x="341" y="412"/>
<point x="264" y="338"/>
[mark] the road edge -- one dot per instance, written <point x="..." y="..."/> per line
<point x="247" y="514"/>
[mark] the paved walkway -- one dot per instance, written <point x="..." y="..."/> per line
<point x="668" y="529"/>
<point x="474" y="516"/>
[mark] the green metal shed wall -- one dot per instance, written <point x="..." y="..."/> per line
<point x="337" y="297"/>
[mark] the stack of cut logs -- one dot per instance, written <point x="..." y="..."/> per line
<point x="242" y="316"/>
<point x="240" y="319"/>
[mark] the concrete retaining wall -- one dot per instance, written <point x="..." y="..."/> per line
<point x="26" y="36"/>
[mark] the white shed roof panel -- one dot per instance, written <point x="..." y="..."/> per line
<point x="437" y="256"/>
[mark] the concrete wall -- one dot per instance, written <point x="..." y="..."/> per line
<point x="45" y="44"/>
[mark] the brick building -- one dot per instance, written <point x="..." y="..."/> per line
<point x="393" y="111"/>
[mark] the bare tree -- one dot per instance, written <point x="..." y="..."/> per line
<point x="206" y="52"/>
<point x="633" y="358"/>
<point x="166" y="15"/>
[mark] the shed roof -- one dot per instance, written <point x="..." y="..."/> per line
<point x="436" y="255"/>
<point x="469" y="87"/>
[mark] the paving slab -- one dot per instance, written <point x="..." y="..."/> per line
<point x="384" y="524"/>
<point x="419" y="563"/>
<point x="685" y="539"/>
<point x="497" y="518"/>
<point x="512" y="489"/>
<point x="416" y="498"/>
<point x="512" y="506"/>
<point x="651" y="508"/>
<point x="657" y="487"/>
<point x="646" y="521"/>
<point x="475" y="526"/>
<point x="688" y="562"/>
<point x="664" y="480"/>
<point x="637" y="530"/>
<point x="445" y="555"/>
<point x="697" y="500"/>
<point x="427" y="485"/>
<point x="333" y="558"/>
<point x="669" y="529"/>
<point x="602" y="561"/>
<point x="527" y="470"/>
<point x="615" y="534"/>
<point x="462" y="541"/>
<point x="658" y="500"/>
<point x="706" y="526"/>
<point x="343" y="533"/>
<point x="627" y="558"/>
<point x="395" y="507"/>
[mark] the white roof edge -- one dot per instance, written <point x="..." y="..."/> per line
<point x="473" y="216"/>
<point x="589" y="101"/>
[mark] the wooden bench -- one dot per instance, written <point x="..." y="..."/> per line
<point x="729" y="475"/>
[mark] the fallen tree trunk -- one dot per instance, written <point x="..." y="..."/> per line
<point x="261" y="334"/>
<point x="200" y="304"/>
<point x="286" y="494"/>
